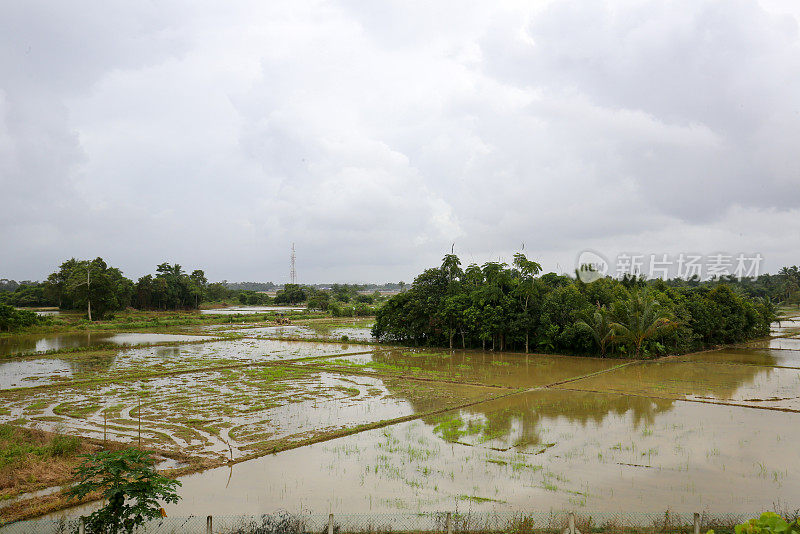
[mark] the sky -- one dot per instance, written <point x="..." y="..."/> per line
<point x="378" y="136"/>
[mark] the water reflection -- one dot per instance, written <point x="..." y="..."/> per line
<point x="49" y="342"/>
<point x="487" y="368"/>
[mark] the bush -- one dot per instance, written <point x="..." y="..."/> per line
<point x="64" y="445"/>
<point x="768" y="523"/>
<point x="12" y="319"/>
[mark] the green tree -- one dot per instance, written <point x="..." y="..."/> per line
<point x="526" y="291"/>
<point x="599" y="326"/>
<point x="128" y="481"/>
<point x="290" y="294"/>
<point x="12" y="319"/>
<point x="640" y="318"/>
<point x="93" y="285"/>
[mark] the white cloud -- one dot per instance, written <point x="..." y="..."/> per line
<point x="374" y="135"/>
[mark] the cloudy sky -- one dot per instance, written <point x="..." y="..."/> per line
<point x="374" y="135"/>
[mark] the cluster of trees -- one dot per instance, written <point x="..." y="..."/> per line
<point x="783" y="287"/>
<point x="291" y="294"/>
<point x="98" y="288"/>
<point x="24" y="294"/>
<point x="12" y="318"/>
<point x="91" y="285"/>
<point x="170" y="289"/>
<point x="510" y="308"/>
<point x="249" y="286"/>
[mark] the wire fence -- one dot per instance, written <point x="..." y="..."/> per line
<point x="431" y="523"/>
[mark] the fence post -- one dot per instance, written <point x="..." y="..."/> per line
<point x="571" y="523"/>
<point x="696" y="523"/>
<point x="209" y="525"/>
<point x="449" y="523"/>
<point x="330" y="523"/>
<point x="81" y="526"/>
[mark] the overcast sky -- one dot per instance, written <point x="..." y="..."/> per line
<point x="374" y="135"/>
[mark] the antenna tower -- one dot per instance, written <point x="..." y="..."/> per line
<point x="292" y="270"/>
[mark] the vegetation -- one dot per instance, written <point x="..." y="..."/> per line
<point x="291" y="294"/>
<point x="768" y="523"/>
<point x="91" y="285"/>
<point x="170" y="289"/>
<point x="30" y="459"/>
<point x="128" y="481"/>
<point x="506" y="307"/>
<point x="13" y="319"/>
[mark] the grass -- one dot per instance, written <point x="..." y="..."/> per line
<point x="130" y="319"/>
<point x="32" y="459"/>
<point x="18" y="446"/>
<point x="475" y="498"/>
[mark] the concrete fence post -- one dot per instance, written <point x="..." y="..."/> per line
<point x="81" y="526"/>
<point x="696" y="523"/>
<point x="330" y="523"/>
<point x="449" y="523"/>
<point x="209" y="525"/>
<point x="571" y="523"/>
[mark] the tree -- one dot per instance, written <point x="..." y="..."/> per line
<point x="291" y="294"/>
<point x="526" y="290"/>
<point x="600" y="327"/>
<point x="639" y="319"/>
<point x="96" y="286"/>
<point x="11" y="319"/>
<point x="128" y="481"/>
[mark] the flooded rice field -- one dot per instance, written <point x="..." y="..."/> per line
<point x="331" y="330"/>
<point x="130" y="363"/>
<point x="473" y="367"/>
<point x="73" y="340"/>
<point x="543" y="450"/>
<point x="229" y="412"/>
<point x="326" y="426"/>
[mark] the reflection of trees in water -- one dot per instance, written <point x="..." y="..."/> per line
<point x="17" y="344"/>
<point x="679" y="378"/>
<point x="168" y="352"/>
<point x="527" y="413"/>
<point x="514" y="370"/>
<point x="42" y="343"/>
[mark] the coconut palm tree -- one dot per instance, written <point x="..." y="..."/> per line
<point x="641" y="318"/>
<point x="599" y="327"/>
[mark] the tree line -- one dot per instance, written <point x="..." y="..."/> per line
<point x="515" y="308"/>
<point x="97" y="288"/>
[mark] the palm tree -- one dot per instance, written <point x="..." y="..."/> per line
<point x="641" y="318"/>
<point x="600" y="328"/>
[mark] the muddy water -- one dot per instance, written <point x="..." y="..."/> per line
<point x="770" y="358"/>
<point x="247" y="408"/>
<point x="645" y="440"/>
<point x="363" y="333"/>
<point x="488" y="368"/>
<point x="592" y="452"/>
<point x="32" y="371"/>
<point x="752" y="385"/>
<point x="785" y="326"/>
<point x="780" y="343"/>
<point x="46" y="342"/>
